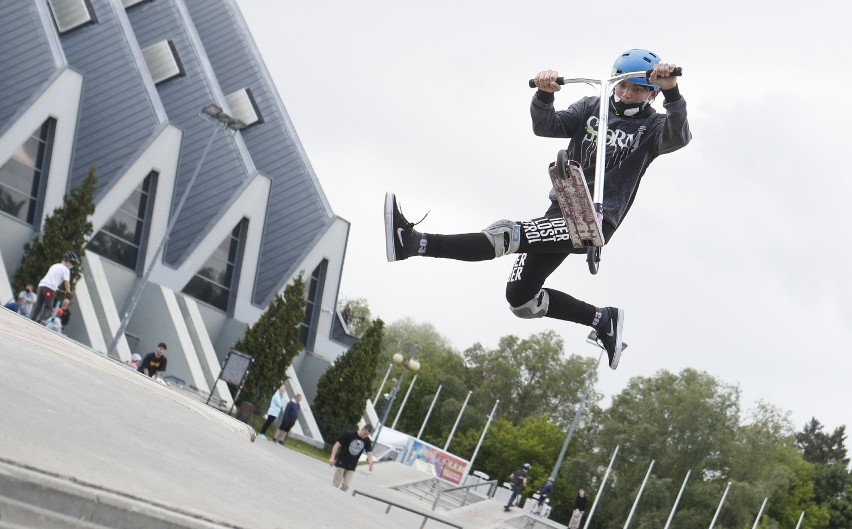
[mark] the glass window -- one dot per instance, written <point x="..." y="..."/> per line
<point x="163" y="61"/>
<point x="244" y="107"/>
<point x="213" y="282"/>
<point x="314" y="291"/>
<point x="120" y="238"/>
<point x="70" y="14"/>
<point x="22" y="178"/>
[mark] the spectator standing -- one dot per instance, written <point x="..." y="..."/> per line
<point x="519" y="481"/>
<point x="154" y="364"/>
<point x="289" y="418"/>
<point x="579" y="509"/>
<point x="29" y="299"/>
<point x="274" y="410"/>
<point x="56" y="275"/>
<point x="543" y="494"/>
<point x="345" y="454"/>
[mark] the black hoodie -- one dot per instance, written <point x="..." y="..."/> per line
<point x="632" y="142"/>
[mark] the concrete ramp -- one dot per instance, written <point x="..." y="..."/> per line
<point x="88" y="443"/>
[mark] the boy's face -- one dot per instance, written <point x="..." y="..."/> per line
<point x="632" y="93"/>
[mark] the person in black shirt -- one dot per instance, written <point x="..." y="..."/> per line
<point x="579" y="509"/>
<point x="154" y="364"/>
<point x="519" y="481"/>
<point x="345" y="454"/>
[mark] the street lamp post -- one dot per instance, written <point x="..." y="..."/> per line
<point x="592" y="338"/>
<point x="404" y="400"/>
<point x="410" y="364"/>
<point x="382" y="385"/>
<point x="221" y="120"/>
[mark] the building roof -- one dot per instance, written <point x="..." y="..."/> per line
<point x="123" y="110"/>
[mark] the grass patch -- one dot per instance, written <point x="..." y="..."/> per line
<point x="292" y="444"/>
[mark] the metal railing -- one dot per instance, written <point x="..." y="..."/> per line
<point x="426" y="516"/>
<point x="466" y="488"/>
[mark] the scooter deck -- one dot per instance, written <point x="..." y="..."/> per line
<point x="575" y="201"/>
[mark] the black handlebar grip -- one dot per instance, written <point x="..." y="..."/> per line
<point x="677" y="72"/>
<point x="559" y="80"/>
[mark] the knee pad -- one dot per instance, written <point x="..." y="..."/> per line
<point x="534" y="308"/>
<point x="505" y="236"/>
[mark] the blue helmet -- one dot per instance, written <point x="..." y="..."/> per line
<point x="636" y="61"/>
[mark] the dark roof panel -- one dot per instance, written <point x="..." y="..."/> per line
<point x="117" y="116"/>
<point x="298" y="210"/>
<point x="25" y="70"/>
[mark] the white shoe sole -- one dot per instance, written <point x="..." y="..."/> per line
<point x="389" y="235"/>
<point x="618" y="346"/>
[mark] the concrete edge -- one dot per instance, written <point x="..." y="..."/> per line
<point x="68" y="497"/>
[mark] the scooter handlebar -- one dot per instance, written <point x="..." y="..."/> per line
<point x="561" y="80"/>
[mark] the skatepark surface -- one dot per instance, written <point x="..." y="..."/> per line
<point x="86" y="442"/>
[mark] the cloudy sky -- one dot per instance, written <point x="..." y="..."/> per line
<point x="735" y="257"/>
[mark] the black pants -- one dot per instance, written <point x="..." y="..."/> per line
<point x="45" y="298"/>
<point x="544" y="244"/>
<point x="269" y="420"/>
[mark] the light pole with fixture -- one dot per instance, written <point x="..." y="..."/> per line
<point x="592" y="338"/>
<point x="411" y="364"/>
<point x="222" y="120"/>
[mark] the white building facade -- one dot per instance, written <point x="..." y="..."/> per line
<point x="119" y="85"/>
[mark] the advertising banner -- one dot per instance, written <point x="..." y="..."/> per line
<point x="446" y="466"/>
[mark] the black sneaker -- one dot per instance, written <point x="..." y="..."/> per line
<point x="609" y="335"/>
<point x="402" y="240"/>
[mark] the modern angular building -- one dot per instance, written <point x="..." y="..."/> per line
<point x="170" y="102"/>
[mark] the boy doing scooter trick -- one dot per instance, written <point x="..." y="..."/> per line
<point x="636" y="135"/>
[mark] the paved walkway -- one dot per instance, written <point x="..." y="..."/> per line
<point x="83" y="435"/>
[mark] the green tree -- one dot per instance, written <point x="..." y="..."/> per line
<point x="273" y="342"/>
<point x="530" y="377"/>
<point x="684" y="422"/>
<point x="506" y="447"/>
<point x="821" y="448"/>
<point x="440" y="365"/>
<point x="765" y="463"/>
<point x="832" y="479"/>
<point x="67" y="228"/>
<point x="343" y="390"/>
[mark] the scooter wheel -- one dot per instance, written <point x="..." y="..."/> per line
<point x="593" y="257"/>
